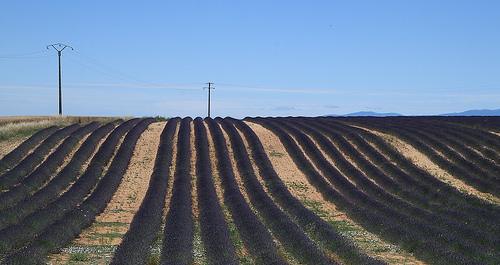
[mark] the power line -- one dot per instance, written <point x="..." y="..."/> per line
<point x="104" y="73"/>
<point x="22" y="55"/>
<point x="108" y="68"/>
<point x="111" y="72"/>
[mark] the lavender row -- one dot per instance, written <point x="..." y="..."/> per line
<point x="178" y="235"/>
<point x="60" y="182"/>
<point x="136" y="243"/>
<point x="12" y="158"/>
<point x="466" y="239"/>
<point x="440" y="192"/>
<point x="431" y="194"/>
<point x="462" y="136"/>
<point x="219" y="247"/>
<point x="45" y="170"/>
<point x="29" y="163"/>
<point x="30" y="226"/>
<point x="397" y="182"/>
<point x="485" y="142"/>
<point x="372" y="215"/>
<point x="320" y="230"/>
<point x="452" y="167"/>
<point x="253" y="233"/>
<point x="427" y="220"/>
<point x="476" y="166"/>
<point x="447" y="141"/>
<point x="290" y="235"/>
<point x="60" y="233"/>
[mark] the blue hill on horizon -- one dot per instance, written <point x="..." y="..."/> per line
<point x="482" y="112"/>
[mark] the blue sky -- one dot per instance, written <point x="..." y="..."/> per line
<point x="265" y="58"/>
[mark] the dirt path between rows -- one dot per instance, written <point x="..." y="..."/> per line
<point x="114" y="222"/>
<point x="7" y="146"/>
<point x="423" y="162"/>
<point x="299" y="186"/>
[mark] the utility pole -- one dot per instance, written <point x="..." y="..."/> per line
<point x="209" y="88"/>
<point x="59" y="54"/>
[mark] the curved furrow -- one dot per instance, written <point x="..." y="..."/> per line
<point x="455" y="150"/>
<point x="136" y="244"/>
<point x="408" y="202"/>
<point x="435" y="196"/>
<point x="485" y="122"/>
<point x="44" y="171"/>
<point x="486" y="143"/>
<point x="62" y="231"/>
<point x="219" y="247"/>
<point x="453" y="168"/>
<point x="177" y="246"/>
<point x="479" y="135"/>
<point x="291" y="235"/>
<point x="60" y="182"/>
<point x="34" y="220"/>
<point x="374" y="216"/>
<point x="254" y="235"/>
<point x="21" y="151"/>
<point x="490" y="123"/>
<point x="470" y="148"/>
<point x="12" y="177"/>
<point x="320" y="230"/>
<point x="477" y="243"/>
<point x="401" y="180"/>
<point x="486" y="179"/>
<point x="450" y="195"/>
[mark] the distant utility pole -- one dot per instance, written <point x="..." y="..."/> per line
<point x="209" y="88"/>
<point x="59" y="50"/>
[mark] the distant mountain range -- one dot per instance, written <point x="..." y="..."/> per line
<point x="483" y="112"/>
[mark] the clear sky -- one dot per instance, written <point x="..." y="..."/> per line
<point x="265" y="58"/>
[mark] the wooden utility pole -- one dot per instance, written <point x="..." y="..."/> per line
<point x="209" y="88"/>
<point x="59" y="55"/>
